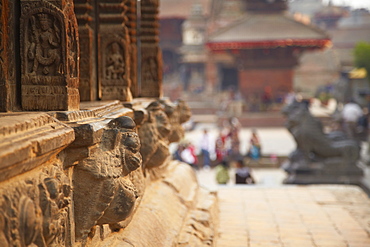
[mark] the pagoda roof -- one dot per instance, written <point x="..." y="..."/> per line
<point x="267" y="31"/>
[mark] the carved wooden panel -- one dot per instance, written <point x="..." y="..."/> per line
<point x="151" y="60"/>
<point x="50" y="55"/>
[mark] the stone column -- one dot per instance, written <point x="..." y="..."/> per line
<point x="49" y="55"/>
<point x="151" y="56"/>
<point x="7" y="57"/>
<point x="132" y="27"/>
<point x="86" y="27"/>
<point x="113" y="51"/>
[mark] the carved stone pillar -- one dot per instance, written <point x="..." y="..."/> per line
<point x="132" y="28"/>
<point x="151" y="56"/>
<point x="50" y="55"/>
<point x="113" y="45"/>
<point x="86" y="27"/>
<point x="7" y="57"/>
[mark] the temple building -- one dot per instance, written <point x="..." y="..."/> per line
<point x="258" y="53"/>
<point x="172" y="16"/>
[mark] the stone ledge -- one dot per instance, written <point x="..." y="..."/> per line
<point x="176" y="201"/>
<point x="91" y="111"/>
<point x="28" y="140"/>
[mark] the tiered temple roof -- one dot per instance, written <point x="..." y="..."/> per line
<point x="267" y="31"/>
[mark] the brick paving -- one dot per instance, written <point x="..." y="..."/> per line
<point x="293" y="216"/>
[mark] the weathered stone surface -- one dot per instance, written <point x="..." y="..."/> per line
<point x="29" y="140"/>
<point x="49" y="55"/>
<point x="85" y="15"/>
<point x="151" y="56"/>
<point x="37" y="209"/>
<point x="36" y="192"/>
<point x="8" y="90"/>
<point x="114" y="70"/>
<point x="131" y="24"/>
<point x="90" y="159"/>
<point x="113" y="197"/>
<point x="178" y="113"/>
<point x="172" y="201"/>
<point x="108" y="41"/>
<point x="105" y="156"/>
<point x="154" y="136"/>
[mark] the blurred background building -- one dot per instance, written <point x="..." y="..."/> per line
<point x="257" y="47"/>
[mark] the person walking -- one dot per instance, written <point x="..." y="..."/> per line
<point x="205" y="149"/>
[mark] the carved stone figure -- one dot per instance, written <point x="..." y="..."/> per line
<point x="115" y="63"/>
<point x="150" y="69"/>
<point x="178" y="113"/>
<point x="36" y="211"/>
<point x="45" y="44"/>
<point x="317" y="152"/>
<point x="154" y="136"/>
<point x="49" y="55"/>
<point x="103" y="191"/>
<point x="113" y="51"/>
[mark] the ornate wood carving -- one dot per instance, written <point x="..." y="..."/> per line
<point x="151" y="60"/>
<point x="50" y="55"/>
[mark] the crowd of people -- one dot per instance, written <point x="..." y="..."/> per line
<point x="222" y="152"/>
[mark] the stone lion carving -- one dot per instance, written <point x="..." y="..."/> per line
<point x="315" y="149"/>
<point x="178" y="113"/>
<point x="154" y="136"/>
<point x="103" y="191"/>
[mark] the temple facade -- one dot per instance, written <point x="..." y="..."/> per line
<point x="258" y="53"/>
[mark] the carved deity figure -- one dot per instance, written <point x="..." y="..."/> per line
<point x="150" y="70"/>
<point x="45" y="45"/>
<point x="115" y="63"/>
<point x="103" y="192"/>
